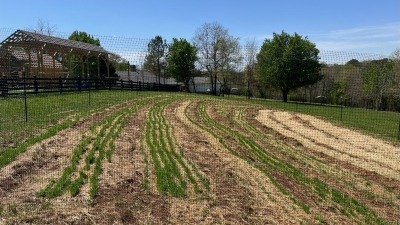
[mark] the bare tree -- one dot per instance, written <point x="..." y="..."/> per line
<point x="250" y="53"/>
<point x="395" y="55"/>
<point x="217" y="51"/>
<point x="44" y="27"/>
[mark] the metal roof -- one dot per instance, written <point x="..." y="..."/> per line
<point x="27" y="38"/>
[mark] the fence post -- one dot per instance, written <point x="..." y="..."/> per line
<point x="97" y="83"/>
<point x="4" y="86"/>
<point x="140" y="86"/>
<point x="131" y="83"/>
<point x="122" y="85"/>
<point x="109" y="84"/>
<point x="60" y="85"/>
<point x="79" y="83"/>
<point x="148" y="86"/>
<point x="35" y="84"/>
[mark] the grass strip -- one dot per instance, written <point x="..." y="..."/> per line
<point x="9" y="155"/>
<point x="171" y="169"/>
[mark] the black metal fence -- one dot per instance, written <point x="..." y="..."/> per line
<point x="15" y="86"/>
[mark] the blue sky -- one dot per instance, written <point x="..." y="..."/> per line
<point x="371" y="26"/>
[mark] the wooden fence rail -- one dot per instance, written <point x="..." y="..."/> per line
<point x="15" y="86"/>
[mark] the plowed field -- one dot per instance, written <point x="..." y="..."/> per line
<point x="179" y="159"/>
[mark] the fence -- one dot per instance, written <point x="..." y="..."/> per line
<point x="88" y="152"/>
<point x="16" y="86"/>
<point x="345" y="74"/>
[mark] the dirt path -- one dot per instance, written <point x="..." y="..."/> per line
<point x="239" y="192"/>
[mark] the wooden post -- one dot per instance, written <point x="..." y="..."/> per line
<point x="140" y="86"/>
<point x="122" y="84"/>
<point x="60" y="85"/>
<point x="38" y="64"/>
<point x="35" y="84"/>
<point x="108" y="67"/>
<point x="97" y="84"/>
<point x="54" y="66"/>
<point x="98" y="66"/>
<point x="4" y="86"/>
<point x="82" y="67"/>
<point x="131" y="83"/>
<point x="79" y="83"/>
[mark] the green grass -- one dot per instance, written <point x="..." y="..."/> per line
<point x="49" y="114"/>
<point x="172" y="172"/>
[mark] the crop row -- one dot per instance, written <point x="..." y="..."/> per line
<point x="96" y="145"/>
<point x="174" y="173"/>
<point x="280" y="172"/>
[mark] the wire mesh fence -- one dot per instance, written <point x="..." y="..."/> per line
<point x="93" y="134"/>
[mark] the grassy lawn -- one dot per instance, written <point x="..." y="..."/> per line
<point x="48" y="110"/>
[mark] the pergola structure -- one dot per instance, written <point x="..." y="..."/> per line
<point x="44" y="55"/>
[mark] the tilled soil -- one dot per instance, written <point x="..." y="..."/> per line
<point x="243" y="187"/>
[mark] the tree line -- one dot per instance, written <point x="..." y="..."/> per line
<point x="286" y="64"/>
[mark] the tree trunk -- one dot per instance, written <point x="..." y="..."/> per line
<point x="285" y="95"/>
<point x="215" y="85"/>
<point x="248" y="89"/>
<point x="212" y="84"/>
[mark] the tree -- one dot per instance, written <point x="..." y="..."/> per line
<point x="155" y="59"/>
<point x="288" y="62"/>
<point x="377" y="78"/>
<point x="354" y="62"/>
<point x="230" y="57"/>
<point x="217" y="51"/>
<point x="44" y="27"/>
<point x="250" y="60"/>
<point x="395" y="56"/>
<point x="181" y="60"/>
<point x="84" y="37"/>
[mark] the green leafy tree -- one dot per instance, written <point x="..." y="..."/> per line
<point x="354" y="62"/>
<point x="288" y="62"/>
<point x="181" y="60"/>
<point x="84" y="37"/>
<point x="378" y="77"/>
<point x="156" y="55"/>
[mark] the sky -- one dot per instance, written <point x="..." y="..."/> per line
<point x="365" y="26"/>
